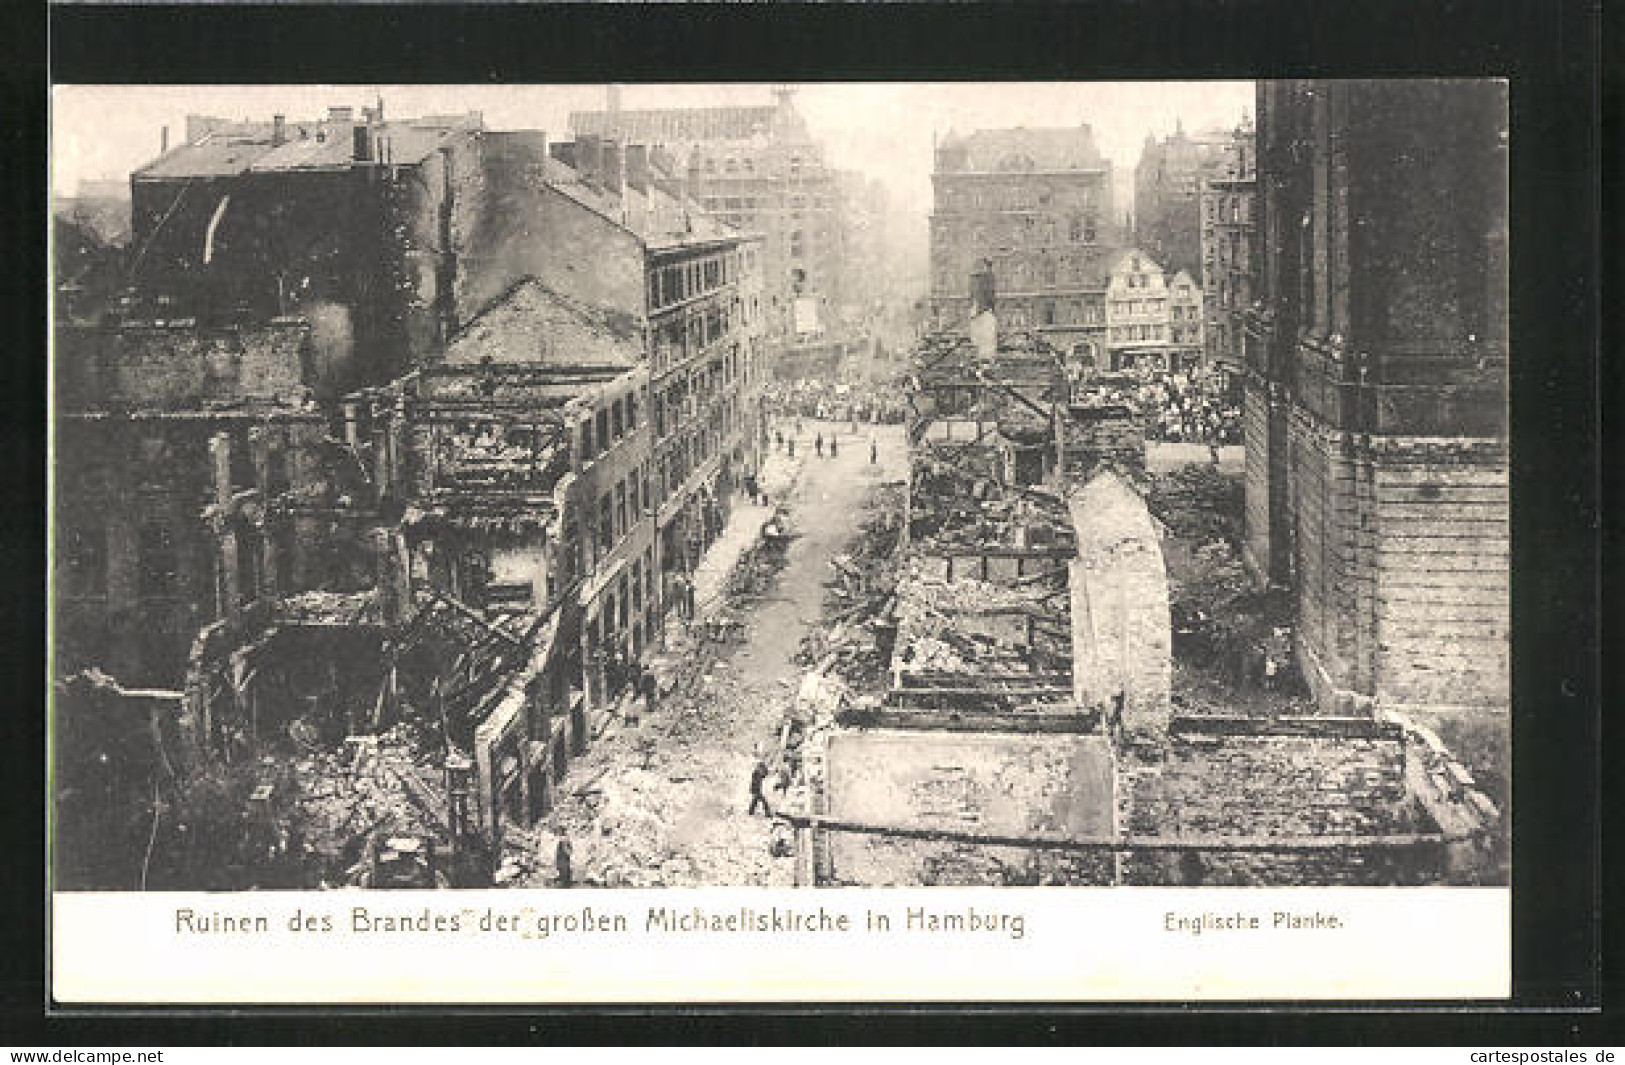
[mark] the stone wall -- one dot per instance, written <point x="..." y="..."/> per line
<point x="1120" y="622"/>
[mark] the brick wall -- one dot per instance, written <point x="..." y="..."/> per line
<point x="181" y="366"/>
<point x="1252" y="783"/>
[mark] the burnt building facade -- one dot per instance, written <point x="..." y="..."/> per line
<point x="1375" y="397"/>
<point x="1036" y="204"/>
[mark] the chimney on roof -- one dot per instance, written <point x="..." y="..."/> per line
<point x="163" y="140"/>
<point x="279" y="129"/>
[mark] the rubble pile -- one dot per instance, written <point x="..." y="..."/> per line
<point x="971" y="627"/>
<point x="1232" y="643"/>
<point x="1198" y="503"/>
<point x="345" y="796"/>
<point x="854" y="643"/>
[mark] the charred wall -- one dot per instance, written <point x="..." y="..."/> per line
<point x="1376" y="393"/>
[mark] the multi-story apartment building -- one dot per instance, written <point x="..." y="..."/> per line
<point x="1229" y="250"/>
<point x="758" y="170"/>
<point x="1167" y="195"/>
<point x="1375" y="397"/>
<point x="706" y="363"/>
<point x="1139" y="314"/>
<point x="1185" y="320"/>
<point x="1037" y="205"/>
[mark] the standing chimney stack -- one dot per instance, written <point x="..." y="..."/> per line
<point x="163" y="140"/>
<point x="279" y="130"/>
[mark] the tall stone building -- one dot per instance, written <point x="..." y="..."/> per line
<point x="1037" y="205"/>
<point x="1375" y="397"/>
<point x="1229" y="251"/>
<point x="759" y="170"/>
<point x="1167" y="195"/>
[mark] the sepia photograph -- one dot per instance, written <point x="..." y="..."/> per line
<point x="886" y="484"/>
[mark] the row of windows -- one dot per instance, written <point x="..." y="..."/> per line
<point x="682" y="337"/>
<point x="1079" y="229"/>
<point x="1124" y="334"/>
<point x="680" y="457"/>
<point x="760" y="203"/>
<point x="1016" y="196"/>
<point x="683" y="281"/>
<point x="1135" y="308"/>
<point x="621" y="613"/>
<point x="685" y="397"/>
<point x="744" y="164"/>
<point x="619" y="509"/>
<point x="608" y="427"/>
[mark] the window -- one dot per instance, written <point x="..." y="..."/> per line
<point x="618" y="420"/>
<point x="603" y="431"/>
<point x="622" y="525"/>
<point x="606" y="522"/>
<point x="637" y="584"/>
<point x="631" y="411"/>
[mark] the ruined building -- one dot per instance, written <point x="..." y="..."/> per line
<point x="1376" y="425"/>
<point x="1029" y="732"/>
<point x="367" y="438"/>
<point x="1036" y="204"/>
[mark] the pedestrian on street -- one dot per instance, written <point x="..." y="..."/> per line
<point x="561" y="862"/>
<point x="778" y="440"/>
<point x="874" y="451"/>
<point x="792" y="446"/>
<point x="758" y="775"/>
<point x="651" y="688"/>
<point x="818" y="445"/>
<point x="833" y="445"/>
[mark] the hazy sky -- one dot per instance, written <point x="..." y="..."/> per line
<point x="883" y="129"/>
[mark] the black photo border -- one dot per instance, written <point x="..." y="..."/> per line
<point x="1551" y="50"/>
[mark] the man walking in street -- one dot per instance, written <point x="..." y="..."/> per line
<point x="758" y="776"/>
<point x="561" y="862"/>
<point x="651" y="688"/>
<point x="874" y="450"/>
<point x="818" y="445"/>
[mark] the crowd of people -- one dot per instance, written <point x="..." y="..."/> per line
<point x="1181" y="407"/>
<point x="836" y="401"/>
